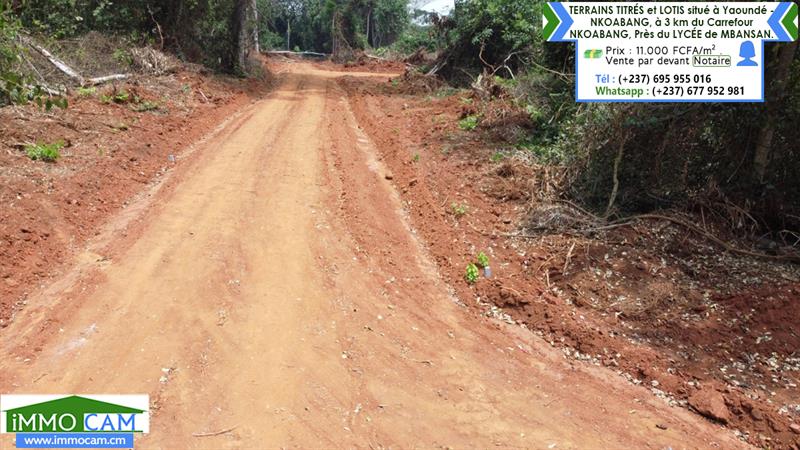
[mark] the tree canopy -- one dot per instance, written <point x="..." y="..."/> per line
<point x="746" y="152"/>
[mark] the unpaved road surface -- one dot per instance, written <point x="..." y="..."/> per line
<point x="273" y="287"/>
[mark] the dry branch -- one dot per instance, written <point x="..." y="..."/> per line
<point x="158" y="28"/>
<point x="215" y="433"/>
<point x="105" y="79"/>
<point x="628" y="221"/>
<point x="69" y="71"/>
<point x="60" y="65"/>
<point x="48" y="89"/>
<point x="726" y="245"/>
<point x="439" y="66"/>
<point x="287" y="52"/>
<point x="617" y="161"/>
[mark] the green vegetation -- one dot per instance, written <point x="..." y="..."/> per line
<point x="469" y="123"/>
<point x="44" y="152"/>
<point x="87" y="91"/>
<point x="459" y="209"/>
<point x="482" y="260"/>
<point x="731" y="159"/>
<point x="15" y="87"/>
<point x="670" y="155"/>
<point x="122" y="56"/>
<point x="472" y="273"/>
<point x="114" y="98"/>
<point x="144" y="106"/>
<point x="334" y="26"/>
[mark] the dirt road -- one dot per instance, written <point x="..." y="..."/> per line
<point x="273" y="286"/>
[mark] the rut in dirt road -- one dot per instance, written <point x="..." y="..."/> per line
<point x="274" y="288"/>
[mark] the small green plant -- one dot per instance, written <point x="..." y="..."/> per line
<point x="122" y="56"/>
<point x="506" y="83"/>
<point x="468" y="123"/>
<point x="472" y="274"/>
<point x="497" y="157"/>
<point x="122" y="97"/>
<point x="145" y="105"/>
<point x="44" y="152"/>
<point x="483" y="260"/>
<point x="459" y="209"/>
<point x="465" y="100"/>
<point x="545" y="153"/>
<point x="186" y="89"/>
<point x="416" y="157"/>
<point x="87" y="91"/>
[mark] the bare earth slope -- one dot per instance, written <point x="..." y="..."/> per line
<point x="272" y="286"/>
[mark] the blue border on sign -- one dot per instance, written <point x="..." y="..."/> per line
<point x="560" y="8"/>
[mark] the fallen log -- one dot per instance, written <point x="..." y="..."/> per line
<point x="287" y="52"/>
<point x="435" y="70"/>
<point x="48" y="89"/>
<point x="105" y="79"/>
<point x="69" y="71"/>
<point x="60" y="65"/>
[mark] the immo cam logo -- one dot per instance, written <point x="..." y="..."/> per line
<point x="71" y="421"/>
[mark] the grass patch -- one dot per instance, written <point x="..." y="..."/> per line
<point x="469" y="123"/>
<point x="44" y="152"/>
<point x="120" y="97"/>
<point x="87" y="91"/>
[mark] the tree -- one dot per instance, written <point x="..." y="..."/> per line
<point x="15" y="87"/>
<point x="239" y="28"/>
<point x="328" y="25"/>
<point x="777" y="94"/>
<point x="491" y="29"/>
<point x="254" y="24"/>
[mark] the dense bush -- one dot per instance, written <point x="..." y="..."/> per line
<point x="414" y="38"/>
<point x="673" y="155"/>
<point x="15" y="87"/>
<point x="491" y="32"/>
<point x="199" y="30"/>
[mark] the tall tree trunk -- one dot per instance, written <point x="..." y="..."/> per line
<point x="254" y="24"/>
<point x="289" y="34"/>
<point x="334" y="48"/>
<point x="369" y="18"/>
<point x="775" y="100"/>
<point x="239" y="38"/>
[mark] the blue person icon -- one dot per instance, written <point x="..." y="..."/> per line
<point x="747" y="51"/>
